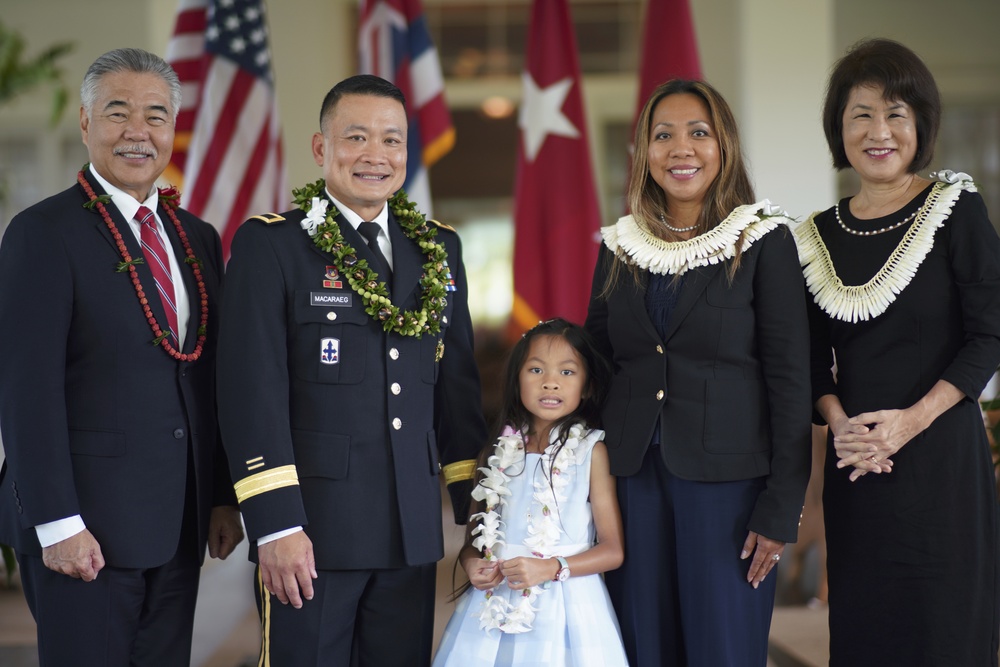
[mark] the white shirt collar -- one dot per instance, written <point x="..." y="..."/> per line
<point x="382" y="219"/>
<point x="126" y="204"/>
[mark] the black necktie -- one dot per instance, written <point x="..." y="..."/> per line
<point x="370" y="231"/>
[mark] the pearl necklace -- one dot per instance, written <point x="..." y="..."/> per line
<point x="856" y="232"/>
<point x="856" y="303"/>
<point x="633" y="242"/>
<point x="677" y="230"/>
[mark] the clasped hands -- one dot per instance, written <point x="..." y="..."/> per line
<point x="868" y="440"/>
<point x="521" y="572"/>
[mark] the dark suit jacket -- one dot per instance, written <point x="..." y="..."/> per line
<point x="351" y="450"/>
<point x="730" y="380"/>
<point x="97" y="421"/>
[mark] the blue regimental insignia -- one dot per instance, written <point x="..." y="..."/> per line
<point x="329" y="351"/>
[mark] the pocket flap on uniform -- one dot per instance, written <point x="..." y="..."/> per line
<point x="321" y="454"/>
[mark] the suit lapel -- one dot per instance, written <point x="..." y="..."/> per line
<point x="407" y="262"/>
<point x="695" y="282"/>
<point x="135" y="251"/>
<point x="635" y="296"/>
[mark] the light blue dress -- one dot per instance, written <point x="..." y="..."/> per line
<point x="574" y="623"/>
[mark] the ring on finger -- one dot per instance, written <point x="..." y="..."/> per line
<point x="775" y="557"/>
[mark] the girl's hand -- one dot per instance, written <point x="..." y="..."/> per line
<point x="766" y="554"/>
<point x="525" y="572"/>
<point x="483" y="574"/>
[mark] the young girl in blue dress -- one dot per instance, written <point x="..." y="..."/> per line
<point x="546" y="520"/>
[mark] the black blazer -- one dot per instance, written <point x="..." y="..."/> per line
<point x="730" y="380"/>
<point x="97" y="421"/>
<point x="318" y="444"/>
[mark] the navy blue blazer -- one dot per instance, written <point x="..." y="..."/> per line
<point x="330" y="422"/>
<point x="97" y="421"/>
<point x="730" y="380"/>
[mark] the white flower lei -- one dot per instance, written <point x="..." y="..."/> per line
<point x="631" y="238"/>
<point x="853" y="303"/>
<point x="543" y="526"/>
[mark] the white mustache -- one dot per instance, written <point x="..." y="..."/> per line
<point x="136" y="148"/>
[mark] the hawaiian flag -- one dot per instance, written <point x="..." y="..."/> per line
<point x="227" y="155"/>
<point x="556" y="216"/>
<point x="394" y="43"/>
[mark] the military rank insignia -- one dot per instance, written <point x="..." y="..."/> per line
<point x="329" y="351"/>
<point x="332" y="278"/>
<point x="449" y="280"/>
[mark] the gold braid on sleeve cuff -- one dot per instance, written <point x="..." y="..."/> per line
<point x="265" y="481"/>
<point x="460" y="470"/>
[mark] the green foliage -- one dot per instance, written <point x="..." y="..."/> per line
<point x="18" y="75"/>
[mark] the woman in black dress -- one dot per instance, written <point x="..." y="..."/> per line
<point x="905" y="285"/>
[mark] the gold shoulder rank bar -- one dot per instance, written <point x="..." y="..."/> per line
<point x="442" y="225"/>
<point x="268" y="218"/>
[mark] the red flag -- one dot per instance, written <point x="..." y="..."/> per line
<point x="227" y="150"/>
<point x="394" y="43"/>
<point x="556" y="217"/>
<point x="671" y="57"/>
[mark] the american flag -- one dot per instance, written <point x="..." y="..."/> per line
<point x="394" y="43"/>
<point x="227" y="149"/>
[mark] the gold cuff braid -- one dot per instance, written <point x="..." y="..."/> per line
<point x="267" y="480"/>
<point x="460" y="470"/>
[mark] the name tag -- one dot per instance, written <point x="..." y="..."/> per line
<point x="327" y="299"/>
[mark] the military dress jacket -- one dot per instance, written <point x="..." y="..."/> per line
<point x="330" y="422"/>
<point x="96" y="420"/>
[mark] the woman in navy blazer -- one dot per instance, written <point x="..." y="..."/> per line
<point x="699" y="302"/>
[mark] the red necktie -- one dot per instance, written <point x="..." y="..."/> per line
<point x="155" y="252"/>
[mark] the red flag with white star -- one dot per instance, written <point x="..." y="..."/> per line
<point x="556" y="215"/>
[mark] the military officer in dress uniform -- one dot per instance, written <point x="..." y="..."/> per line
<point x="346" y="385"/>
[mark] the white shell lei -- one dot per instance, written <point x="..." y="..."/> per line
<point x="543" y="525"/>
<point x="854" y="303"/>
<point x="630" y="238"/>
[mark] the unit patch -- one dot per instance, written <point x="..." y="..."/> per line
<point x="329" y="351"/>
<point x="332" y="278"/>
<point x="327" y="299"/>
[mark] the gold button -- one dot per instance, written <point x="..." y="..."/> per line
<point x="659" y="395"/>
<point x="331" y="316"/>
<point x="395" y="388"/>
<point x="397" y="423"/>
<point x="394" y="354"/>
<point x="659" y="348"/>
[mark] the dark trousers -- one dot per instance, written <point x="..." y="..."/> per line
<point x="124" y="617"/>
<point x="361" y="618"/>
<point x="682" y="596"/>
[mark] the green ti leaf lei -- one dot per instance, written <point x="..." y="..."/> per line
<point x="366" y="283"/>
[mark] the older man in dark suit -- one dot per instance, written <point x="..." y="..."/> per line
<point x="346" y="382"/>
<point x="115" y="479"/>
